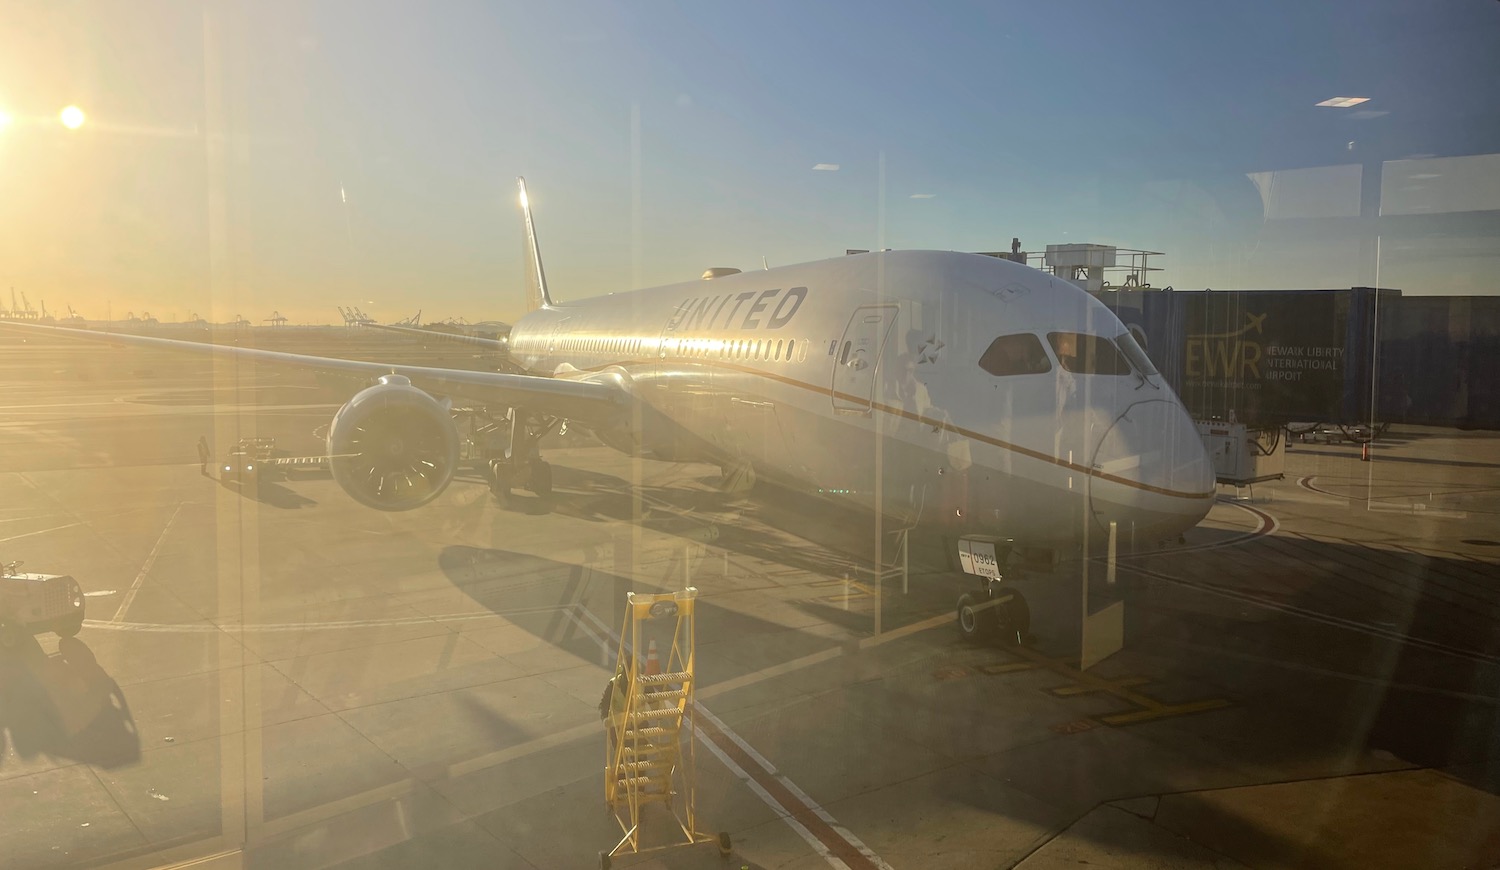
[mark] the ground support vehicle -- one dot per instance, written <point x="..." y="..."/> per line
<point x="35" y="603"/>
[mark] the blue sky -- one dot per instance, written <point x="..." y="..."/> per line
<point x="1133" y="124"/>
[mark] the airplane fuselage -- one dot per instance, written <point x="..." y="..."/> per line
<point x="881" y="380"/>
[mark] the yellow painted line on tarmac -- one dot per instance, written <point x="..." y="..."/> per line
<point x="1086" y="683"/>
<point x="906" y="630"/>
<point x="233" y="858"/>
<point x="1007" y="668"/>
<point x="1076" y="689"/>
<point x="1164" y="711"/>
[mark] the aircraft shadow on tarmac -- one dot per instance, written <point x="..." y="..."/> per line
<point x="1450" y="601"/>
<point x="269" y="492"/>
<point x="66" y="706"/>
<point x="830" y="539"/>
<point x="486" y="576"/>
<point x="538" y="597"/>
<point x="1306" y="693"/>
<point x="902" y="708"/>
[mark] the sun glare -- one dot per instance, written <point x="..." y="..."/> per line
<point x="72" y="117"/>
<point x="5" y="119"/>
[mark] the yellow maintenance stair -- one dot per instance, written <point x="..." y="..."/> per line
<point x="650" y="751"/>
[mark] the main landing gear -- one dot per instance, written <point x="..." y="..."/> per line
<point x="994" y="613"/>
<point x="522" y="465"/>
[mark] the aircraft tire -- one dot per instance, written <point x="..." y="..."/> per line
<point x="975" y="626"/>
<point x="1014" y="620"/>
<point x="541" y="479"/>
<point x="70" y="628"/>
<point x="499" y="479"/>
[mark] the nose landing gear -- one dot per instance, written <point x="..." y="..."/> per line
<point x="994" y="613"/>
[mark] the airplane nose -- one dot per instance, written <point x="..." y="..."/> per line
<point x="1151" y="464"/>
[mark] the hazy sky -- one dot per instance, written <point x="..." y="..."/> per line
<point x="239" y="158"/>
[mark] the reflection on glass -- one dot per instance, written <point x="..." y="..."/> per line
<point x="1315" y="192"/>
<point x="1441" y="185"/>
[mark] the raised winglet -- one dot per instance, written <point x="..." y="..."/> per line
<point x="536" y="279"/>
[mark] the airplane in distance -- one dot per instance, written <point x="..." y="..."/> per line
<point x="966" y="393"/>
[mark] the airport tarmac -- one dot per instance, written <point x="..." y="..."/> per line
<point x="286" y="678"/>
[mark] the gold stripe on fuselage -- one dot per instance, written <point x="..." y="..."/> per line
<point x="941" y="424"/>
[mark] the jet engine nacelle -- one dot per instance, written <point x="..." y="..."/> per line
<point x="393" y="447"/>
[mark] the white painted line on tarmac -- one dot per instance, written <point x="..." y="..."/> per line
<point x="58" y="405"/>
<point x="145" y="569"/>
<point x="201" y="627"/>
<point x="38" y="532"/>
<point x="1307" y="484"/>
<point x="1268" y="525"/>
<point x="604" y="648"/>
<point x="833" y="842"/>
<point x="1365" y="628"/>
<point x="553" y="740"/>
<point x="1364" y="679"/>
<point x="780" y="670"/>
<point x="821" y="656"/>
<point x="33" y="517"/>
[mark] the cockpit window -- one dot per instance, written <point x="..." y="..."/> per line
<point x="1135" y="353"/>
<point x="1019" y="354"/>
<point x="1086" y="354"/>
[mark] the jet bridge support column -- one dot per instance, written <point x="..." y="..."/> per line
<point x="1103" y="633"/>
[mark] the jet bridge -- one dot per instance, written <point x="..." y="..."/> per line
<point x="1361" y="356"/>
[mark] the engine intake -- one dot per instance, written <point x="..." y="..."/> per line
<point x="393" y="447"/>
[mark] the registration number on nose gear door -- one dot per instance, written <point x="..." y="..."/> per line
<point x="978" y="557"/>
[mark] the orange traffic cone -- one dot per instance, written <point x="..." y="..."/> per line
<point x="653" y="663"/>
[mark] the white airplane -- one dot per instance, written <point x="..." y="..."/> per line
<point x="958" y="391"/>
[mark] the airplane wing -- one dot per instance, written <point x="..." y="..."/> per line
<point x="590" y="401"/>
<point x="490" y="343"/>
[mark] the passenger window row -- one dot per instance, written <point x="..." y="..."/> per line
<point x="601" y="345"/>
<point x="767" y="350"/>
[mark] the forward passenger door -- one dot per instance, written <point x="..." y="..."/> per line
<point x="857" y="358"/>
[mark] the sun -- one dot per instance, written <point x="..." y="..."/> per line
<point x="72" y="117"/>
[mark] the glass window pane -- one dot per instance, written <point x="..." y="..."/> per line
<point x="1135" y="353"/>
<point x="1019" y="354"/>
<point x="1086" y="354"/>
